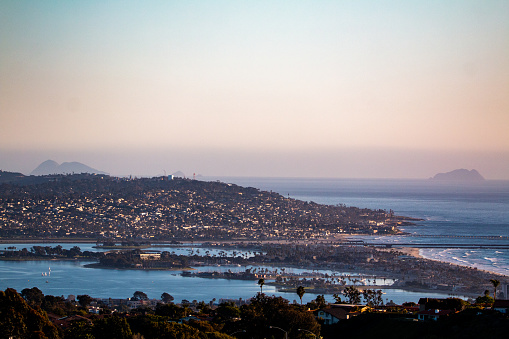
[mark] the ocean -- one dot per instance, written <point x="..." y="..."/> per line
<point x="453" y="212"/>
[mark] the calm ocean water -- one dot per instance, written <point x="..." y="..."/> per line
<point x="480" y="210"/>
<point x="448" y="209"/>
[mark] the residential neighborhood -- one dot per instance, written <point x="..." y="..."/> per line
<point x="88" y="206"/>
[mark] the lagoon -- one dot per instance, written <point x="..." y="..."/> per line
<point x="71" y="277"/>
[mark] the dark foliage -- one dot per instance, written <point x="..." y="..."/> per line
<point x="19" y="320"/>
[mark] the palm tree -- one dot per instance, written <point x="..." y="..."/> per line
<point x="495" y="284"/>
<point x="261" y="282"/>
<point x="300" y="292"/>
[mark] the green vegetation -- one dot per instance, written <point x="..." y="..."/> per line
<point x="27" y="315"/>
<point x="261" y="282"/>
<point x="166" y="298"/>
<point x="18" y="319"/>
<point x="300" y="292"/>
<point x="139" y="295"/>
<point x="495" y="284"/>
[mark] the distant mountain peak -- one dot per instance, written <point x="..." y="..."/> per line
<point x="52" y="167"/>
<point x="459" y="175"/>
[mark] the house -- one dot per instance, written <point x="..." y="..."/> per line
<point x="441" y="304"/>
<point x="433" y="314"/>
<point x="501" y="305"/>
<point x="424" y="303"/>
<point x="150" y="256"/>
<point x="337" y="312"/>
<point x="66" y="321"/>
<point x="150" y="303"/>
<point x="94" y="309"/>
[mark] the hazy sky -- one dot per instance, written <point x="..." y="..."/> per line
<point x="400" y="89"/>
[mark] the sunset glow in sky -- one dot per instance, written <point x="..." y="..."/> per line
<point x="400" y="89"/>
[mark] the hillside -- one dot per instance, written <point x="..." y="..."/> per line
<point x="9" y="177"/>
<point x="94" y="206"/>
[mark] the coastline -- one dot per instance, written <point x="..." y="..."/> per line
<point x="410" y="251"/>
<point x="417" y="253"/>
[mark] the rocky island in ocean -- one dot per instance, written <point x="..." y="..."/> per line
<point x="459" y="175"/>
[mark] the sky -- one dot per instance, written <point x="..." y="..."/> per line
<point x="347" y="89"/>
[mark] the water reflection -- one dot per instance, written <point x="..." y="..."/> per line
<point x="70" y="277"/>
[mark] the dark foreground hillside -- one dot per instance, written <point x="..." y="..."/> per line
<point x="35" y="315"/>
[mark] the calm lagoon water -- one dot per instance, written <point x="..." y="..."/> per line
<point x="71" y="277"/>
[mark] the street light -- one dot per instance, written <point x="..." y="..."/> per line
<point x="279" y="328"/>
<point x="301" y="329"/>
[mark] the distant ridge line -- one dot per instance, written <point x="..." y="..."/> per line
<point x="49" y="167"/>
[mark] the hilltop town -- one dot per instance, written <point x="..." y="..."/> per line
<point x="88" y="206"/>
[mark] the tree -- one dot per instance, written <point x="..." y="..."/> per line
<point x="203" y="307"/>
<point x="139" y="295"/>
<point x="320" y="301"/>
<point x="19" y="320"/>
<point x="261" y="282"/>
<point x="166" y="298"/>
<point x="153" y="327"/>
<point x="485" y="299"/>
<point x="54" y="304"/>
<point x="74" y="252"/>
<point x="337" y="298"/>
<point x="33" y="296"/>
<point x="495" y="284"/>
<point x="275" y="311"/>
<point x="79" y="330"/>
<point x="85" y="300"/>
<point x="300" y="292"/>
<point x="373" y="298"/>
<point x="227" y="311"/>
<point x="113" y="327"/>
<point x="378" y="299"/>
<point x="169" y="310"/>
<point x="352" y="294"/>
